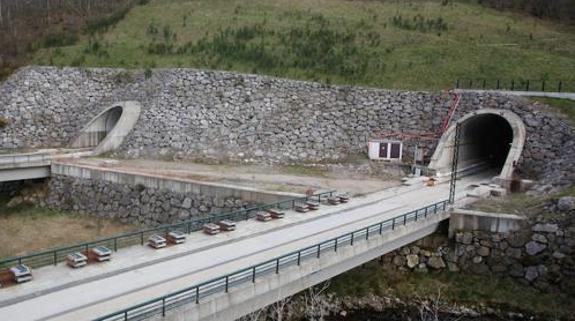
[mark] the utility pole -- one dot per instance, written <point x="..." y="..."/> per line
<point x="454" y="162"/>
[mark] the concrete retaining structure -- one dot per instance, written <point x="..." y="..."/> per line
<point x="107" y="130"/>
<point x="144" y="199"/>
<point x="468" y="220"/>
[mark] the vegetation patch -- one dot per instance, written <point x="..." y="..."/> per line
<point x="3" y="122"/>
<point x="420" y="44"/>
<point x="455" y="288"/>
<point x="25" y="228"/>
<point x="563" y="106"/>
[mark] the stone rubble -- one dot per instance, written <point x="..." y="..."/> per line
<point x="135" y="204"/>
<point x="221" y="116"/>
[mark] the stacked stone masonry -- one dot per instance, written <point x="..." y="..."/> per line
<point x="542" y="255"/>
<point x="135" y="204"/>
<point x="198" y="115"/>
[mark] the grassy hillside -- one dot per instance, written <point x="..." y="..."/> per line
<point x="394" y="44"/>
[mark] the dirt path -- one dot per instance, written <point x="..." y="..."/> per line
<point x="297" y="179"/>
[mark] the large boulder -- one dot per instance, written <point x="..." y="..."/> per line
<point x="436" y="262"/>
<point x="412" y="260"/>
<point x="566" y="203"/>
<point x="534" y="248"/>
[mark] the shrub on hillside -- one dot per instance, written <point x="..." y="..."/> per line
<point x="3" y="122"/>
<point x="554" y="9"/>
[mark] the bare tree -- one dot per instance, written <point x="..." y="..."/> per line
<point x="429" y="309"/>
<point x="312" y="299"/>
<point x="278" y="308"/>
<point x="254" y="316"/>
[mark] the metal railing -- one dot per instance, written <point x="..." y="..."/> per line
<point x="516" y="85"/>
<point x="193" y="294"/>
<point x="54" y="256"/>
<point x="24" y="159"/>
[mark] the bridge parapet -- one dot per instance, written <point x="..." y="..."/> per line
<point x="22" y="166"/>
<point x="249" y="289"/>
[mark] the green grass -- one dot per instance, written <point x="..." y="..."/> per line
<point x="395" y="44"/>
<point x="25" y="228"/>
<point x="564" y="106"/>
<point x="455" y="288"/>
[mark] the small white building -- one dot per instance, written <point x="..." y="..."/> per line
<point x="385" y="149"/>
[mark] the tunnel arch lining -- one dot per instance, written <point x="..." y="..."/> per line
<point x="443" y="155"/>
<point x="107" y="130"/>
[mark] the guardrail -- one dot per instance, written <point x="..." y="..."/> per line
<point x="516" y="85"/>
<point x="24" y="158"/>
<point x="54" y="256"/>
<point x="193" y="294"/>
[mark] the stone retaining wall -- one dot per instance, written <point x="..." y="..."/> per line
<point x="132" y="203"/>
<point x="542" y="255"/>
<point x="199" y="115"/>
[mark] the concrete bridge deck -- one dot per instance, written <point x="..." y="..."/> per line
<point x="34" y="164"/>
<point x="138" y="274"/>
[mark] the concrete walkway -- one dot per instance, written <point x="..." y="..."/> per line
<point x="33" y="164"/>
<point x="138" y="283"/>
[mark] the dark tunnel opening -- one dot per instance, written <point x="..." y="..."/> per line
<point x="485" y="139"/>
<point x="99" y="128"/>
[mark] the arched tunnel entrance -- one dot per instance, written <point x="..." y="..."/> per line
<point x="490" y="140"/>
<point x="108" y="129"/>
<point x="485" y="141"/>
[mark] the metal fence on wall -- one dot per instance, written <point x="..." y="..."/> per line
<point x="193" y="294"/>
<point x="516" y="85"/>
<point x="55" y="256"/>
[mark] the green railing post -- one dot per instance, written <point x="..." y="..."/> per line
<point x="55" y="257"/>
<point x="216" y="283"/>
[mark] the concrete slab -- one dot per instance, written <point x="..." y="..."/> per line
<point x="92" y="299"/>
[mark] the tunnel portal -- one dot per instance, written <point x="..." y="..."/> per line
<point x="485" y="140"/>
<point x="491" y="140"/>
